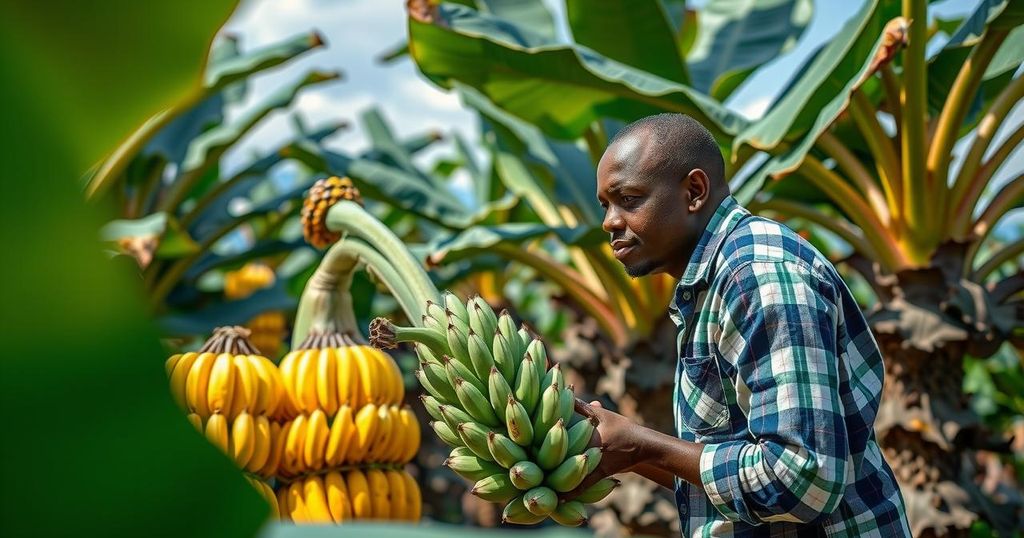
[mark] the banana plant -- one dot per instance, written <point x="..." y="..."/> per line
<point x="915" y="228"/>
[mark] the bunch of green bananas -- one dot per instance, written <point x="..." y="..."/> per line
<point x="338" y="496"/>
<point x="509" y="417"/>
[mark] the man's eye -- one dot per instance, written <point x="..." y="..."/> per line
<point x="630" y="200"/>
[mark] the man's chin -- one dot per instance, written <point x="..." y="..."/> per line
<point x="640" y="269"/>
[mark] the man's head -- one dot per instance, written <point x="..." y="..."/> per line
<point x="659" y="182"/>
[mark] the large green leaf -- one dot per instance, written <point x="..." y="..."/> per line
<point x="637" y="33"/>
<point x="825" y="76"/>
<point x="94" y="433"/>
<point x="735" y="37"/>
<point x="530" y="14"/>
<point x="481" y="238"/>
<point x="561" y="89"/>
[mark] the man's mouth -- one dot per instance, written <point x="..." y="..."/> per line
<point x="621" y="248"/>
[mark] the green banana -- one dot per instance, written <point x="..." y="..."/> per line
<point x="569" y="474"/>
<point x="436" y="312"/>
<point x="498" y="392"/>
<point x="566" y="403"/>
<point x="505" y="451"/>
<point x="515" y="512"/>
<point x="507" y="328"/>
<point x="552" y="450"/>
<point x="526" y="475"/>
<point x="580" y="435"/>
<point x="554" y="375"/>
<point x="454" y="306"/>
<point x="426" y="355"/>
<point x="454" y="369"/>
<point x="489" y="318"/>
<point x="525" y="337"/>
<point x="461" y="451"/>
<point x="496" y="488"/>
<point x="471" y="467"/>
<point x="527" y="386"/>
<point x="504" y="358"/>
<point x="474" y="436"/>
<point x="549" y="409"/>
<point x="446" y="434"/>
<point x="540" y="357"/>
<point x="541" y="500"/>
<point x="453" y="416"/>
<point x="430" y="323"/>
<point x="479" y="355"/>
<point x="475" y="403"/>
<point x="458" y="344"/>
<point x="517" y="422"/>
<point x="598" y="491"/>
<point x="593" y="455"/>
<point x="431" y="404"/>
<point x="434" y="378"/>
<point x="570" y="514"/>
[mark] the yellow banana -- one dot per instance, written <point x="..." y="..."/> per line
<point x="316" y="500"/>
<point x="243" y="437"/>
<point x="342" y="433"/>
<point x="196" y="383"/>
<point x="293" y="448"/>
<point x="268" y="494"/>
<point x="382" y="441"/>
<point x="196" y="421"/>
<point x="411" y="427"/>
<point x="278" y="438"/>
<point x="391" y="376"/>
<point x="297" y="503"/>
<point x="359" y="492"/>
<point x="222" y="384"/>
<point x="378" y="494"/>
<point x="317" y="433"/>
<point x="396" y="494"/>
<point x="348" y="377"/>
<point x="369" y="377"/>
<point x="337" y="497"/>
<point x="170" y="363"/>
<point x="398" y="436"/>
<point x="327" y="381"/>
<point x="413" y="498"/>
<point x="287" y="370"/>
<point x="305" y="381"/>
<point x="217" y="431"/>
<point x="261" y="452"/>
<point x="264" y="402"/>
<point x="246" y="385"/>
<point x="179" y="375"/>
<point x="366" y="431"/>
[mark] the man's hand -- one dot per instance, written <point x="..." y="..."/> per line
<point x="621" y="442"/>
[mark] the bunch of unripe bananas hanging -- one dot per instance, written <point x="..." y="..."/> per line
<point x="344" y="451"/>
<point x="509" y="418"/>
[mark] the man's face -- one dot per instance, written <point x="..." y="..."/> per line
<point x="652" y="230"/>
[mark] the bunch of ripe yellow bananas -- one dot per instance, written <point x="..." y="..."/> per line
<point x="331" y="377"/>
<point x="211" y="382"/>
<point x="268" y="329"/>
<point x="339" y="496"/>
<point x="384" y="434"/>
<point x="255" y="444"/>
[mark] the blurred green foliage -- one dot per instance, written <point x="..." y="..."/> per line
<point x="95" y="446"/>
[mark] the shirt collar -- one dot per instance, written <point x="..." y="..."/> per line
<point x="698" y="270"/>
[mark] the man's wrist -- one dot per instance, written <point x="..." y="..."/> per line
<point x="647" y="445"/>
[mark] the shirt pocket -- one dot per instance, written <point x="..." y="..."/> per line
<point x="703" y="408"/>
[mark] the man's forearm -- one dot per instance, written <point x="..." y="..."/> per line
<point x="672" y="455"/>
<point x="656" y="474"/>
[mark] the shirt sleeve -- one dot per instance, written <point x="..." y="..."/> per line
<point x="778" y="326"/>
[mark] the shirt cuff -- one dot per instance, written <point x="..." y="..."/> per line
<point x="720" y="474"/>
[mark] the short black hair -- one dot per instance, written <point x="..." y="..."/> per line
<point x="683" y="144"/>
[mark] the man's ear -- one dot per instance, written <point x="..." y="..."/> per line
<point x="698" y="187"/>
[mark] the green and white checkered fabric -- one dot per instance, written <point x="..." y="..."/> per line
<point x="779" y="377"/>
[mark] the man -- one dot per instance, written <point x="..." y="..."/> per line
<point x="778" y="378"/>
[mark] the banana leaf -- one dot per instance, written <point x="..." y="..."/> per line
<point x="735" y="37"/>
<point x="826" y="75"/>
<point x="481" y="238"/>
<point x="637" y="33"/>
<point x="532" y="14"/>
<point x="561" y="89"/>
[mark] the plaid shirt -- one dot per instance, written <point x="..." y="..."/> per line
<point x="779" y="378"/>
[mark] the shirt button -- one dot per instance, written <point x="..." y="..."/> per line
<point x="682" y="509"/>
<point x="686" y="295"/>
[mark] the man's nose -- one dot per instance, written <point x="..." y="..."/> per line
<point x="612" y="221"/>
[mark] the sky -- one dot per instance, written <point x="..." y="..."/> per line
<point x="358" y="31"/>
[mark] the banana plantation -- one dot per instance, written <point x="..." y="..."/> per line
<point x="391" y="340"/>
